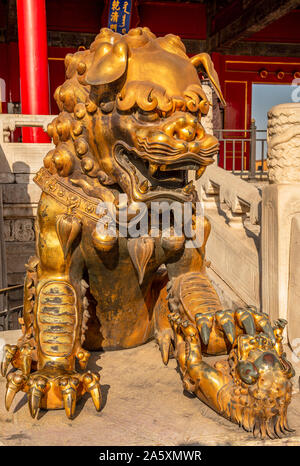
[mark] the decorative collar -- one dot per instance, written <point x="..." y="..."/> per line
<point x="69" y="196"/>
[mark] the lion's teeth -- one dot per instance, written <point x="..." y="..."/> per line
<point x="144" y="186"/>
<point x="199" y="172"/>
<point x="189" y="187"/>
<point x="153" y="168"/>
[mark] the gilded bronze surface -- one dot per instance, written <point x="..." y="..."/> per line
<point x="130" y="122"/>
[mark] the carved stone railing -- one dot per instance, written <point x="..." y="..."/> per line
<point x="9" y="122"/>
<point x="242" y="199"/>
<point x="25" y="157"/>
<point x="233" y="207"/>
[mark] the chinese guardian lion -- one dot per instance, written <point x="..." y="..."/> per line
<point x="130" y="124"/>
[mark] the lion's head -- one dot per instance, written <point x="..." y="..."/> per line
<point x="131" y="111"/>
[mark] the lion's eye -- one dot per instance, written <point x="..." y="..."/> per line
<point x="146" y="116"/>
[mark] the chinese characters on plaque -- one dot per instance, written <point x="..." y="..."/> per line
<point x="119" y="15"/>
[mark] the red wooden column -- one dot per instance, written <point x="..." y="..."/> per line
<point x="32" y="30"/>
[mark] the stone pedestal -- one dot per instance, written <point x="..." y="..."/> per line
<point x="294" y="287"/>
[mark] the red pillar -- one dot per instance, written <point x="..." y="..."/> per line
<point x="32" y="30"/>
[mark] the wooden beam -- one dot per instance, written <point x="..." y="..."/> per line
<point x="256" y="15"/>
<point x="75" y="39"/>
<point x="194" y="46"/>
<point x="266" y="49"/>
<point x="69" y="39"/>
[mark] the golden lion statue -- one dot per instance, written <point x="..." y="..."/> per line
<point x="127" y="135"/>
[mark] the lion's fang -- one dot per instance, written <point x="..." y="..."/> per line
<point x="144" y="186"/>
<point x="153" y="168"/>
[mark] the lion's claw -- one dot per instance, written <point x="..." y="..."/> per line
<point x="19" y="357"/>
<point x="37" y="386"/>
<point x="15" y="383"/>
<point x="245" y="321"/>
<point x="69" y="387"/>
<point x="204" y="324"/>
<point x="225" y="320"/>
<point x="25" y="359"/>
<point x="91" y="384"/>
<point x="248" y="319"/>
<point x="53" y="388"/>
<point x="164" y="341"/>
<point x="9" y="353"/>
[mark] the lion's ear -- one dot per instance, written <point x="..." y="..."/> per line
<point x="109" y="67"/>
<point x="204" y="61"/>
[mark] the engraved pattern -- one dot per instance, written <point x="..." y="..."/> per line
<point x="284" y="143"/>
<point x="66" y="194"/>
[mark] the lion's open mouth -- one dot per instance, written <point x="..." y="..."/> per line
<point x="158" y="175"/>
<point x="154" y="174"/>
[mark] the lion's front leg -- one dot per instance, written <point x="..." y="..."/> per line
<point x="53" y="330"/>
<point x="252" y="385"/>
<point x="183" y="263"/>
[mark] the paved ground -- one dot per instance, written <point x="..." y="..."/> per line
<point x="144" y="404"/>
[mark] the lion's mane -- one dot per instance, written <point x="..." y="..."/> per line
<point x="78" y="101"/>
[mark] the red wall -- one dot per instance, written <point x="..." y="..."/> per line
<point x="74" y="15"/>
<point x="187" y="20"/>
<point x="9" y="71"/>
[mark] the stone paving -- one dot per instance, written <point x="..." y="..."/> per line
<point x="143" y="404"/>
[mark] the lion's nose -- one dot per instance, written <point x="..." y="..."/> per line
<point x="184" y="127"/>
